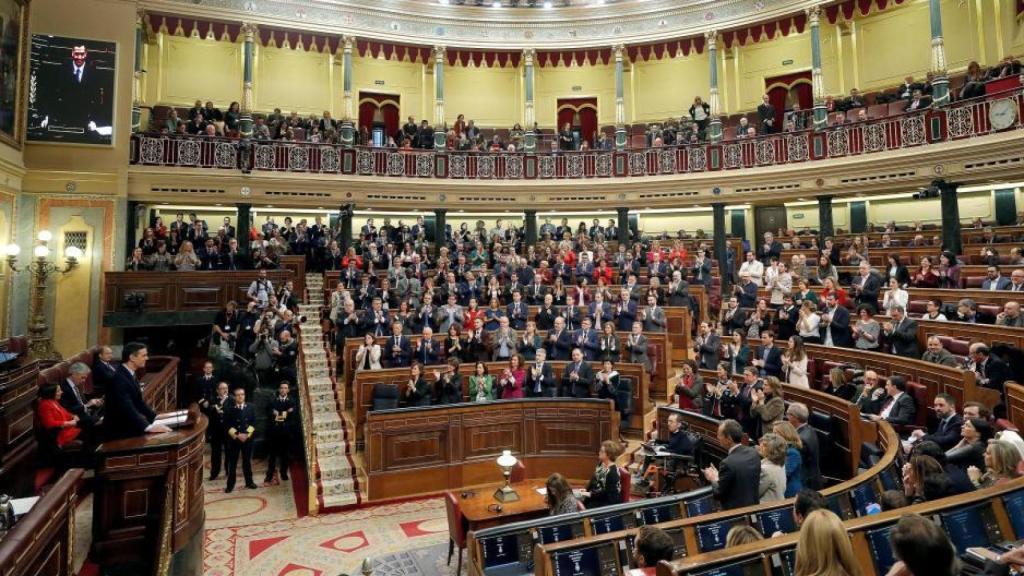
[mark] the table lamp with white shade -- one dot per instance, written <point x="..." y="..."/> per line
<point x="506" y="493"/>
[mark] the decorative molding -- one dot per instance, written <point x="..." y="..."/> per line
<point x="420" y="22"/>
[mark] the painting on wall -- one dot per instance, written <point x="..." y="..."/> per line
<point x="71" y="90"/>
<point x="14" y="31"/>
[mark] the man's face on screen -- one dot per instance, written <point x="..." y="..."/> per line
<point x="78" y="55"/>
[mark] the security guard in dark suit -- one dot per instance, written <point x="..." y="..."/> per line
<point x="213" y="405"/>
<point x="281" y="413"/>
<point x="240" y="424"/>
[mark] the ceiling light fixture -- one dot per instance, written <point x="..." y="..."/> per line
<point x="496" y="4"/>
<point x="443" y="2"/>
<point x="548" y="4"/>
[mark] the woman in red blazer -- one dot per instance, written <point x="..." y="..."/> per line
<point x="53" y="416"/>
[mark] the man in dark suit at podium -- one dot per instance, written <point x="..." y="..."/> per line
<point x="78" y="100"/>
<point x="240" y="424"/>
<point x="125" y="412"/>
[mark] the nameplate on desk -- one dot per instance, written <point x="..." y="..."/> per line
<point x="173" y="420"/>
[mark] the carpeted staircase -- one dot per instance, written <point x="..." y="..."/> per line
<point x="337" y="481"/>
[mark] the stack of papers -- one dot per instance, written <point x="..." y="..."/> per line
<point x="173" y="419"/>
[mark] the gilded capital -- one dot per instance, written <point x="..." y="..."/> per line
<point x="813" y="15"/>
<point x="439" y="52"/>
<point x="529" y="55"/>
<point x="711" y="39"/>
<point x="347" y="42"/>
<point x="250" y="30"/>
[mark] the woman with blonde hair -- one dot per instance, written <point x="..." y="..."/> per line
<point x="772" y="485"/>
<point x="794" y="461"/>
<point x="742" y="534"/>
<point x="824" y="547"/>
<point x="768" y="404"/>
<point x="1001" y="461"/>
<point x="187" y="260"/>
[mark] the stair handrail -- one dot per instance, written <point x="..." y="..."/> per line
<point x="308" y="432"/>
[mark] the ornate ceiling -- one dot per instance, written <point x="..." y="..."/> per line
<point x="576" y="23"/>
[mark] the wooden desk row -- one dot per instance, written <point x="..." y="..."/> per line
<point x="966" y="234"/>
<point x="493" y="546"/>
<point x="42" y="541"/>
<point x="677" y="338"/>
<point x="365" y="382"/>
<point x="413" y="451"/>
<point x="689" y="518"/>
<point x="176" y="298"/>
<point x="981" y="518"/>
<point x="910" y="255"/>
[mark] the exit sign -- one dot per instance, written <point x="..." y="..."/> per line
<point x="787" y="62"/>
<point x="378" y="82"/>
<point x="577" y="88"/>
<point x="798" y="216"/>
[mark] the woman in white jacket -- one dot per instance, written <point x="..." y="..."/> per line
<point x="794" y="363"/>
<point x="368" y="355"/>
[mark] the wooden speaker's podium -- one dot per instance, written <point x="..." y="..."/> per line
<point x="148" y="511"/>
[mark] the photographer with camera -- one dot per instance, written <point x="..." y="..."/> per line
<point x="261" y="289"/>
<point x="287" y="355"/>
<point x="265" y="349"/>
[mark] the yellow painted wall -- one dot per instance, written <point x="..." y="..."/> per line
<point x="673" y="222"/>
<point x="191" y="69"/>
<point x="666" y="88"/>
<point x="490" y="96"/>
<point x="552" y="83"/>
<point x="805" y="216"/>
<point x="294" y="80"/>
<point x="1012" y="33"/>
<point x="403" y="78"/>
<point x="100" y="20"/>
<point x="753" y="63"/>
<point x="73" y="292"/>
<point x="894" y="43"/>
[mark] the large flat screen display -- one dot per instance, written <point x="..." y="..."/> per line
<point x="71" y="90"/>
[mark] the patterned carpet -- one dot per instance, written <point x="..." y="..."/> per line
<point x="332" y="544"/>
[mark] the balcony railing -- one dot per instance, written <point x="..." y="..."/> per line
<point x="963" y="120"/>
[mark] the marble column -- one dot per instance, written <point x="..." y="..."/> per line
<point x="244" y="222"/>
<point x="529" y="116"/>
<point x="137" y="80"/>
<point x="940" y="80"/>
<point x="718" y="224"/>
<point x="623" y="226"/>
<point x="440" y="138"/>
<point x="817" y="80"/>
<point x="248" y="55"/>
<point x="620" y="102"/>
<point x="440" y="221"/>
<point x="347" y="112"/>
<point x="530" y="226"/>
<point x="715" y="122"/>
<point x="346" y="226"/>
<point x="948" y="199"/>
<point x="826" y="229"/>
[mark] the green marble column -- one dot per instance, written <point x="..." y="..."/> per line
<point x="347" y="127"/>
<point x="715" y="122"/>
<point x="248" y="55"/>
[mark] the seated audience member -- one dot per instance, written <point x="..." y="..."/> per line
<point x="679" y="443"/>
<point x="947" y="430"/>
<point x="991" y="370"/>
<point x="449" y="383"/>
<point x="53" y="416"/>
<point x="892" y="500"/>
<point x="1002" y="462"/>
<point x="559" y="497"/>
<point x="959" y="483"/>
<point x="838" y="386"/>
<point x="772" y="486"/>
<point x="1010" y="316"/>
<point x="824" y="547"/>
<point x="74" y="399"/>
<point x="937" y="354"/>
<point x="899" y="408"/>
<point x="652" y="545"/>
<point x="604" y="487"/>
<point x="806" y="501"/>
<point x="742" y="534"/>
<point x="797" y="415"/>
<point x="970" y="451"/>
<point x="736" y="483"/>
<point x="921" y="548"/>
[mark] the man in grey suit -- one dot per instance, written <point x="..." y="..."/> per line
<point x="450" y="313"/>
<point x="810" y="469"/>
<point x="735" y="483"/>
<point x="653" y="317"/>
<point x="994" y="280"/>
<point x="636" y="347"/>
<point x="708" y="346"/>
<point x="936" y="354"/>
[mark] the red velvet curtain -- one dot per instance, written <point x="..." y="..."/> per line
<point x="585" y="109"/>
<point x="788" y="89"/>
<point x="370" y="103"/>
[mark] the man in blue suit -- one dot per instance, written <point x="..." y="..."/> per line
<point x="586" y="339"/>
<point x="398" y="348"/>
<point x="994" y="280"/>
<point x="125" y="412"/>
